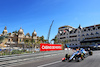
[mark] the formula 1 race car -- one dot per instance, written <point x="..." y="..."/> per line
<point x="78" y="55"/>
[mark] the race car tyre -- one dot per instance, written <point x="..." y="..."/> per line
<point x="90" y="52"/>
<point x="66" y="56"/>
<point x="63" y="60"/>
<point x="77" y="59"/>
<point x="69" y="60"/>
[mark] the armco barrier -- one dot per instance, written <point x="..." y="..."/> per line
<point x="4" y="60"/>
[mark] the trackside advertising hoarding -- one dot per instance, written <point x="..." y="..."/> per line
<point x="50" y="47"/>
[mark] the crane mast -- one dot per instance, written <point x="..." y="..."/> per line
<point x="50" y="30"/>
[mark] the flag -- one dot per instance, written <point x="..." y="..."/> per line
<point x="64" y="31"/>
<point x="60" y="31"/>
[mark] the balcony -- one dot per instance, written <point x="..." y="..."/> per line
<point x="11" y="42"/>
<point x="92" y="36"/>
<point x="21" y="43"/>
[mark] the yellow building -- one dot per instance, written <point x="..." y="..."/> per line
<point x="17" y="39"/>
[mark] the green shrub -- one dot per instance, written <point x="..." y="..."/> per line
<point x="16" y="52"/>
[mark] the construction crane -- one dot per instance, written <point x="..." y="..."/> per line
<point x="50" y="30"/>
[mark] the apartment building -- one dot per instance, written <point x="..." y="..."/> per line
<point x="89" y="35"/>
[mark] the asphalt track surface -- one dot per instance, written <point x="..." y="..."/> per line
<point x="55" y="61"/>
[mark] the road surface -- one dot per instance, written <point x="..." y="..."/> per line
<point x="55" y="61"/>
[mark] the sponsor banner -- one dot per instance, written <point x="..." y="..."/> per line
<point x="50" y="47"/>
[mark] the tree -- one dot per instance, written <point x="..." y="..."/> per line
<point x="1" y="38"/>
<point x="42" y="39"/>
<point x="37" y="43"/>
<point x="33" y="42"/>
<point x="64" y="42"/>
<point x="28" y="34"/>
<point x="55" y="40"/>
<point x="29" y="44"/>
<point x="15" y="31"/>
<point x="26" y="41"/>
<point x="45" y="41"/>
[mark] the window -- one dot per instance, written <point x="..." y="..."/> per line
<point x="60" y="34"/>
<point x="96" y="33"/>
<point x="72" y="39"/>
<point x="82" y="34"/>
<point x="84" y="29"/>
<point x="75" y="39"/>
<point x="92" y="34"/>
<point x="94" y="28"/>
<point x="12" y="39"/>
<point x="78" y="39"/>
<point x="20" y="39"/>
<point x="98" y="27"/>
<point x="62" y="37"/>
<point x="89" y="29"/>
<point x="87" y="34"/>
<point x="73" y="36"/>
<point x="78" y="35"/>
<point x="8" y="40"/>
<point x="78" y="31"/>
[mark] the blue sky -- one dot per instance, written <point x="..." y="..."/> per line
<point x="38" y="15"/>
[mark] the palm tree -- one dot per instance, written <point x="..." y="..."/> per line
<point x="45" y="41"/>
<point x="64" y="42"/>
<point x="15" y="31"/>
<point x="55" y="40"/>
<point x="37" y="43"/>
<point x="42" y="39"/>
<point x="28" y="43"/>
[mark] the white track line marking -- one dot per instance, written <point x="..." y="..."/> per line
<point x="49" y="64"/>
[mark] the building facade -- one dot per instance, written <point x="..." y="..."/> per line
<point x="79" y="36"/>
<point x="17" y="39"/>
